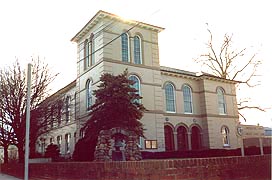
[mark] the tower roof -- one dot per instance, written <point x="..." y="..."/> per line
<point x="103" y="14"/>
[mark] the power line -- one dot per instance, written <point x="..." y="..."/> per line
<point x="115" y="38"/>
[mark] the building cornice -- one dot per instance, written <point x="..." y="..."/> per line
<point x="191" y="115"/>
<point x="192" y="75"/>
<point x="61" y="91"/>
<point x="103" y="14"/>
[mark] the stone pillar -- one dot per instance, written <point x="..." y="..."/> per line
<point x="189" y="134"/>
<point x="132" y="150"/>
<point x="242" y="147"/>
<point x="175" y="141"/>
<point x="103" y="151"/>
<point x="261" y="145"/>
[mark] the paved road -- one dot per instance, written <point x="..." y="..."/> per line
<point x="7" y="177"/>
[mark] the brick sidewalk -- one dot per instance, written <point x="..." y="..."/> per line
<point x="7" y="177"/>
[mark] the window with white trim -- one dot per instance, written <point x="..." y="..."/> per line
<point x="67" y="142"/>
<point x="51" y="140"/>
<point x="225" y="136"/>
<point x="89" y="94"/>
<point x="59" y="138"/>
<point x="86" y="53"/>
<point x="67" y="108"/>
<point x="81" y="133"/>
<point x="136" y="84"/>
<point x="221" y="101"/>
<point x="43" y="145"/>
<point x="137" y="50"/>
<point x="170" y="98"/>
<point x="187" y="99"/>
<point x="125" y="47"/>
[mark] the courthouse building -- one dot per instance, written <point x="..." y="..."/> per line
<point x="186" y="110"/>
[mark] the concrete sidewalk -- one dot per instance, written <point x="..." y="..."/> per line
<point x="7" y="177"/>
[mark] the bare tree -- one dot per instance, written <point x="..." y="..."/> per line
<point x="6" y="137"/>
<point x="233" y="64"/>
<point x="13" y="103"/>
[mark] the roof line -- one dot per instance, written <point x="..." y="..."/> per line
<point x="116" y="16"/>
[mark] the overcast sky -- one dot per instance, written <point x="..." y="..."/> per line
<point x="32" y="28"/>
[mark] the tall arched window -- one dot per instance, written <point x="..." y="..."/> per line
<point x="221" y="101"/>
<point x="187" y="98"/>
<point x="86" y="54"/>
<point x="125" y="47"/>
<point x="89" y="94"/>
<point x="67" y="143"/>
<point x="195" y="138"/>
<point x="137" y="50"/>
<point x="68" y="108"/>
<point x="225" y="136"/>
<point x="182" y="138"/>
<point x="168" y="138"/>
<point x="170" y="98"/>
<point x="136" y="84"/>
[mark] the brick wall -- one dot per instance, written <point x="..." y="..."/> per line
<point x="223" y="168"/>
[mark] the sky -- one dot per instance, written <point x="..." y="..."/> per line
<point x="44" y="28"/>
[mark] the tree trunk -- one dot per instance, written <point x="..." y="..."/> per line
<point x="6" y="158"/>
<point x="21" y="152"/>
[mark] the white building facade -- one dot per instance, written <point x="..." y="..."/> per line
<point x="186" y="111"/>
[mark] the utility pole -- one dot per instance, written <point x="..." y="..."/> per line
<point x="27" y="120"/>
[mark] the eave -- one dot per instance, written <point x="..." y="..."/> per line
<point x="103" y="14"/>
<point x="191" y="75"/>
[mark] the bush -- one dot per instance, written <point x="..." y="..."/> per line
<point x="84" y="150"/>
<point x="52" y="151"/>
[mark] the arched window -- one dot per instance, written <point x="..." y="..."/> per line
<point x="136" y="81"/>
<point x="68" y="108"/>
<point x="137" y="50"/>
<point x="187" y="98"/>
<point x="182" y="138"/>
<point x="59" y="138"/>
<point x="81" y="133"/>
<point x="89" y="94"/>
<point x="170" y="98"/>
<point x="75" y="106"/>
<point x="136" y="84"/>
<point x="195" y="138"/>
<point x="225" y="136"/>
<point x="221" y="101"/>
<point x="168" y="138"/>
<point x="67" y="143"/>
<point x="86" y="54"/>
<point x="125" y="47"/>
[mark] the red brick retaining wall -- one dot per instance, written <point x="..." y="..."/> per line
<point x="222" y="168"/>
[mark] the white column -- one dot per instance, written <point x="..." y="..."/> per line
<point x="189" y="134"/>
<point x="175" y="141"/>
<point x="261" y="145"/>
<point x="242" y="147"/>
